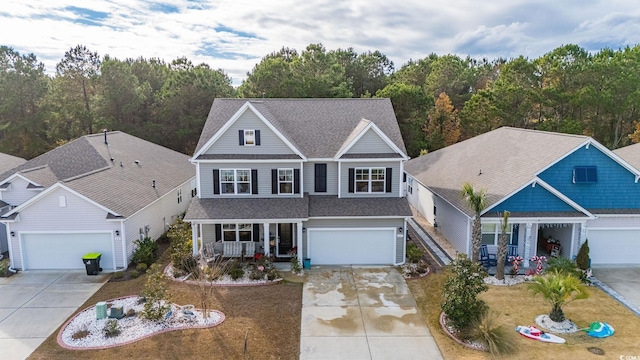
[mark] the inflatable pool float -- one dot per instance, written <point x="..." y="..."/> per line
<point x="599" y="329"/>
<point x="534" y="333"/>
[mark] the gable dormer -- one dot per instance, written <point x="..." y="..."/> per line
<point x="17" y="189"/>
<point x="248" y="132"/>
<point x="367" y="138"/>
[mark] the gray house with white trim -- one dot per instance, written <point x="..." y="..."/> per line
<point x="97" y="193"/>
<point x="7" y="162"/>
<point x="322" y="176"/>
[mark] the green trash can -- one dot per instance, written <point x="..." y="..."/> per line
<point x="101" y="310"/>
<point x="92" y="263"/>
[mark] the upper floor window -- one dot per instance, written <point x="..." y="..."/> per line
<point x="410" y="185"/>
<point x="249" y="137"/>
<point x="235" y="181"/>
<point x="285" y="181"/>
<point x="370" y="180"/>
<point x="585" y="174"/>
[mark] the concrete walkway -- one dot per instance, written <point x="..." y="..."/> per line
<point x="361" y="313"/>
<point x="34" y="304"/>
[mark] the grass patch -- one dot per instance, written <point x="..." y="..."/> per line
<point x="271" y="315"/>
<point x="517" y="306"/>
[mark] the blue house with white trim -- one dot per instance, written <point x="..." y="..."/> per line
<point x="560" y="190"/>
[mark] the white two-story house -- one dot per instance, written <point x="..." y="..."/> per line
<point x="320" y="176"/>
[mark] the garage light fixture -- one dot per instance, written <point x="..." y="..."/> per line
<point x="304" y="230"/>
<point x="117" y="232"/>
<point x="400" y="229"/>
<point x="13" y="234"/>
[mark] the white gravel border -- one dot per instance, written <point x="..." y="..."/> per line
<point x="225" y="280"/>
<point x="131" y="328"/>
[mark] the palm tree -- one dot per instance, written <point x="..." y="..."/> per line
<point x="477" y="201"/>
<point x="502" y="245"/>
<point x="558" y="289"/>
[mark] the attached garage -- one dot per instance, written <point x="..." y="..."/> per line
<point x="65" y="250"/>
<point x="614" y="246"/>
<point x="353" y="246"/>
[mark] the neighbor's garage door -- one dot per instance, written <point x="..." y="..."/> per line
<point x="351" y="246"/>
<point x="614" y="246"/>
<point x="65" y="251"/>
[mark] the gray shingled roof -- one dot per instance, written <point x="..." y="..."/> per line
<point x="86" y="166"/>
<point x="630" y="154"/>
<point x="500" y="161"/>
<point x="8" y="162"/>
<point x="317" y="127"/>
<point x="328" y="206"/>
<point x="248" y="208"/>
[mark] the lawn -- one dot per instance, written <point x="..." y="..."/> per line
<point x="270" y="315"/>
<point x="517" y="306"/>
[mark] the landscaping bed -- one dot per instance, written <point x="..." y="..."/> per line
<point x="517" y="306"/>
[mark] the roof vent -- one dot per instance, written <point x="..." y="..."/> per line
<point x="137" y="162"/>
<point x="153" y="184"/>
<point x="105" y="136"/>
<point x="122" y="166"/>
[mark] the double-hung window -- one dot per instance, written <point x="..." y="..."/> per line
<point x="285" y="181"/>
<point x="179" y="196"/>
<point x="491" y="234"/>
<point x="249" y="137"/>
<point x="369" y="180"/>
<point x="409" y="184"/>
<point x="235" y="181"/>
<point x="237" y="232"/>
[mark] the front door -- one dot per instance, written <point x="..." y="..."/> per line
<point x="285" y="234"/>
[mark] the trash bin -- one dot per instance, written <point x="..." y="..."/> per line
<point x="92" y="263"/>
<point x="101" y="310"/>
<point x="306" y="263"/>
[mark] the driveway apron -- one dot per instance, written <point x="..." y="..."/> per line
<point x="33" y="304"/>
<point x="361" y="313"/>
<point x="622" y="283"/>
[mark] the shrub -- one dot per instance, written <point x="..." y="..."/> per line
<point x="118" y="275"/>
<point x="564" y="266"/>
<point x="131" y="313"/>
<point x="296" y="268"/>
<point x="582" y="260"/>
<point x="256" y="274"/>
<point x="80" y="334"/>
<point x="146" y="251"/>
<point x="142" y="268"/>
<point x="464" y="282"/>
<point x="111" y="328"/>
<point x="414" y="253"/>
<point x="134" y="274"/>
<point x="488" y="331"/>
<point x="4" y="267"/>
<point x="156" y="295"/>
<point x="272" y="274"/>
<point x="236" y="272"/>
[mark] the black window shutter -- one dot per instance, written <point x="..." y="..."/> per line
<point x="296" y="181"/>
<point x="216" y="181"/>
<point x="404" y="177"/>
<point x="241" y="137"/>
<point x="274" y="181"/>
<point x="254" y="181"/>
<point x="352" y="179"/>
<point x="321" y="178"/>
<point x="256" y="232"/>
<point x="218" y="232"/>
<point x="257" y="137"/>
<point x="388" y="177"/>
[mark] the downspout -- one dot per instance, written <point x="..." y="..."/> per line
<point x="468" y="236"/>
<point x="124" y="244"/>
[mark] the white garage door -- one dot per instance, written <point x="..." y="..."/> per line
<point x="65" y="251"/>
<point x="351" y="246"/>
<point x="614" y="246"/>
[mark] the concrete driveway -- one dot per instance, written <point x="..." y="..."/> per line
<point x="361" y="313"/>
<point x="34" y="304"/>
<point x="625" y="283"/>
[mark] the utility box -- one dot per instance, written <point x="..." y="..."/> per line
<point x="92" y="263"/>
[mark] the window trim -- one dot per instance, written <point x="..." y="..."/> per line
<point x="497" y="232"/>
<point x="585" y="171"/>
<point x="369" y="179"/>
<point x="410" y="184"/>
<point x="180" y="196"/>
<point x="236" y="228"/>
<point x="235" y="182"/>
<point x="283" y="182"/>
<point x="249" y="137"/>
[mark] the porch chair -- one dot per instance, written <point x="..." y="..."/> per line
<point x="512" y="250"/>
<point x="209" y="253"/>
<point x="249" y="250"/>
<point x="487" y="259"/>
<point x="232" y="249"/>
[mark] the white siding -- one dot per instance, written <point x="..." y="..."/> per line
<point x="3" y="239"/>
<point x="615" y="222"/>
<point x="395" y="183"/>
<point x="264" y="177"/>
<point x="370" y="143"/>
<point x="18" y="192"/>
<point x="228" y="143"/>
<point x="332" y="178"/>
<point x="423" y="200"/>
<point x="158" y="216"/>
<point x="46" y="215"/>
<point x="453" y="225"/>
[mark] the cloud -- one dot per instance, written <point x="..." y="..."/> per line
<point x="235" y="34"/>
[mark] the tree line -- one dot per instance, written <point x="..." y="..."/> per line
<point x="438" y="100"/>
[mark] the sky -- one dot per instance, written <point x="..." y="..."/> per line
<point x="234" y="35"/>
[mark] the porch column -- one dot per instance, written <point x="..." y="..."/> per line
<point x="194" y="238"/>
<point x="527" y="244"/>
<point x="299" y="242"/>
<point x="266" y="236"/>
<point x="583" y="234"/>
